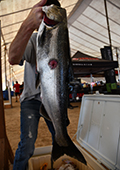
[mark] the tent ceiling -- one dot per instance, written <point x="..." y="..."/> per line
<point x="87" y="26"/>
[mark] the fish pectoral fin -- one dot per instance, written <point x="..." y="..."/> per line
<point x="43" y="112"/>
<point x="71" y="150"/>
<point x="70" y="71"/>
<point x="37" y="82"/>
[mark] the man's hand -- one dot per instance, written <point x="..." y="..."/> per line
<point x="41" y="3"/>
<point x="35" y="16"/>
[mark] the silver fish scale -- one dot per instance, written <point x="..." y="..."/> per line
<point x="54" y="46"/>
<point x="54" y="64"/>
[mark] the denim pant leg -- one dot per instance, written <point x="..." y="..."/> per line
<point x="51" y="129"/>
<point x="29" y="127"/>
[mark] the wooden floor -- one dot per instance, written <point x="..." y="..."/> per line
<point x="12" y="120"/>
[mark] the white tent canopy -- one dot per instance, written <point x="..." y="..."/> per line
<point x="87" y="24"/>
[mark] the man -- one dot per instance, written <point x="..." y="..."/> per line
<point x="24" y="49"/>
<point x="21" y="87"/>
<point x="17" y="90"/>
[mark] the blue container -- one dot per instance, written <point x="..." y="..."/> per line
<point x="5" y="94"/>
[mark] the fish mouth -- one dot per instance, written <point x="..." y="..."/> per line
<point x="53" y="63"/>
<point x="50" y="22"/>
<point x="54" y="13"/>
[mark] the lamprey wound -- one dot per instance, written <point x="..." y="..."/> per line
<point x="53" y="64"/>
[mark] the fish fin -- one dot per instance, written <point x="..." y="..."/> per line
<point x="37" y="82"/>
<point x="67" y="120"/>
<point x="71" y="150"/>
<point x="70" y="74"/>
<point x="41" y="37"/>
<point x="43" y="112"/>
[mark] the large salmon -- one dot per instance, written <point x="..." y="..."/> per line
<point x="54" y="66"/>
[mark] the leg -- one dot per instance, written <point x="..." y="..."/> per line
<point x="16" y="96"/>
<point x="51" y="163"/>
<point x="51" y="129"/>
<point x="29" y="128"/>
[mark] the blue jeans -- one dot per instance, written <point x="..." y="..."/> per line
<point x="30" y="116"/>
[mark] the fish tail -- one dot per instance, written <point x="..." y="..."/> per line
<point x="71" y="150"/>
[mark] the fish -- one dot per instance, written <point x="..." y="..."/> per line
<point x="55" y="69"/>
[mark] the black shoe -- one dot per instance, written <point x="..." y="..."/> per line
<point x="70" y="106"/>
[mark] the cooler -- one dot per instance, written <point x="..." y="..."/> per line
<point x="98" y="135"/>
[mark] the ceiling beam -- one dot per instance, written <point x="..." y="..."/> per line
<point x="99" y="33"/>
<point x="89" y="35"/>
<point x="99" y="24"/>
<point x="12" y="13"/>
<point x="15" y="23"/>
<point x="104" y="15"/>
<point x="77" y="10"/>
<point x="108" y="26"/>
<point x="113" y="4"/>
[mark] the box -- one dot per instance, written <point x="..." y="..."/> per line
<point x="98" y="134"/>
<point x="40" y="157"/>
<point x="99" y="128"/>
<point x="37" y="162"/>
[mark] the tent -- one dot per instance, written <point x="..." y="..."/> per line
<point x="87" y="26"/>
<point x="84" y="65"/>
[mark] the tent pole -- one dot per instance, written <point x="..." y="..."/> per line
<point x="5" y="50"/>
<point x="5" y="66"/>
<point x="5" y="149"/>
<point x="91" y="84"/>
<point x="3" y="155"/>
<point x="107" y="22"/>
<point x="117" y="55"/>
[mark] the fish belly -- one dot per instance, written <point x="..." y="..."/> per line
<point x="54" y="98"/>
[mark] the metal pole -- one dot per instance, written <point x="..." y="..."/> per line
<point x="3" y="155"/>
<point x="107" y="22"/>
<point x="5" y="148"/>
<point x="91" y="84"/>
<point x="118" y="63"/>
<point x="5" y="66"/>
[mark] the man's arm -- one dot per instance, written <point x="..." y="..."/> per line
<point x="31" y="23"/>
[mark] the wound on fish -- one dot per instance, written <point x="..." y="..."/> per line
<point x="53" y="63"/>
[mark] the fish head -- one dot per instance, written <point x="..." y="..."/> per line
<point x="54" y="12"/>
